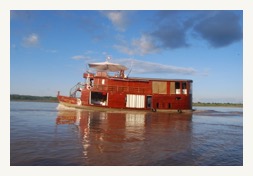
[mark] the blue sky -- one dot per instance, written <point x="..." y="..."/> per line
<point x="49" y="50"/>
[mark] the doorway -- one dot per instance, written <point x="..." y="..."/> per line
<point x="149" y="101"/>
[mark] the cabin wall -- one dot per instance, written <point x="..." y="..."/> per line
<point x="101" y="81"/>
<point x="178" y="96"/>
<point x="171" y="102"/>
<point x="140" y="87"/>
<point x="116" y="100"/>
<point x="85" y="97"/>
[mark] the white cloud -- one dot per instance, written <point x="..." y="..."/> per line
<point x="118" y="18"/>
<point x="141" y="46"/>
<point x="31" y="40"/>
<point x="141" y="67"/>
<point x="125" y="49"/>
<point x="79" y="57"/>
<point x="144" y="45"/>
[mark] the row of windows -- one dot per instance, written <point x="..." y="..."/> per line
<point x="159" y="87"/>
<point x="177" y="89"/>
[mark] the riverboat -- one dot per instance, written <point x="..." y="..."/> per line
<point x="108" y="88"/>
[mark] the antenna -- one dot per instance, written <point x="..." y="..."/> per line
<point x="130" y="69"/>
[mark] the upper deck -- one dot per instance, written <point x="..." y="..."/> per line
<point x="101" y="81"/>
<point x="110" y="77"/>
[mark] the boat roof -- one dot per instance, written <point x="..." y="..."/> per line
<point x="107" y="66"/>
<point x="149" y="79"/>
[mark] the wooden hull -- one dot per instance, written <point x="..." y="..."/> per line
<point x="72" y="103"/>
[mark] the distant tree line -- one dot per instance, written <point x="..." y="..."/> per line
<point x="16" y="97"/>
<point x="218" y="104"/>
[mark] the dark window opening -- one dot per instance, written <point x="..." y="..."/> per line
<point x="98" y="98"/>
<point x="169" y="105"/>
<point x="177" y="87"/>
<point x="149" y="101"/>
<point x="178" y="98"/>
<point x="157" y="105"/>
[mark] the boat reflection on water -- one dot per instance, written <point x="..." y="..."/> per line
<point x="129" y="138"/>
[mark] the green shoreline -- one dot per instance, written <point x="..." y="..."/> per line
<point x="26" y="98"/>
<point x="29" y="98"/>
<point x="218" y="104"/>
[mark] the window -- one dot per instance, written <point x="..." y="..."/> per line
<point x="159" y="87"/>
<point x="177" y="87"/>
<point x="172" y="88"/>
<point x="184" y="89"/>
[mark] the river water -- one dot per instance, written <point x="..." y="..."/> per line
<point x="41" y="135"/>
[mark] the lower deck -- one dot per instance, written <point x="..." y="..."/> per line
<point x="65" y="105"/>
<point x="139" y="101"/>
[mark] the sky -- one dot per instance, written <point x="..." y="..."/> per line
<point x="50" y="49"/>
